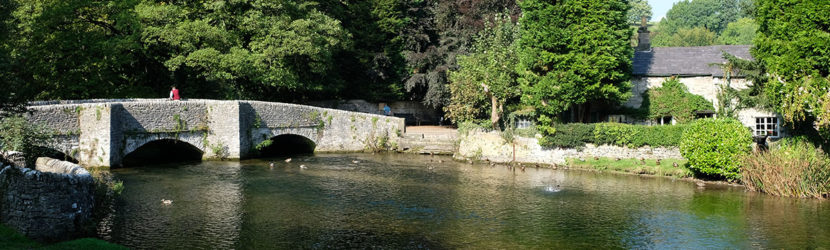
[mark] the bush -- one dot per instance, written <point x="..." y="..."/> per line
<point x="659" y="136"/>
<point x="615" y="134"/>
<point x="714" y="147"/>
<point x="576" y="135"/>
<point x="18" y="134"/>
<point x="796" y="168"/>
<point x="571" y="135"/>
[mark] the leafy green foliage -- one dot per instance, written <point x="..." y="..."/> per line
<point x="264" y="144"/>
<point x="614" y="134"/>
<point x="794" y="45"/>
<point x="673" y="99"/>
<point x="571" y="135"/>
<point x="576" y="135"/>
<point x="795" y="167"/>
<point x="18" y="134"/>
<point x="75" y="49"/>
<point x="713" y="15"/>
<point x="714" y="147"/>
<point x="700" y="22"/>
<point x="658" y="136"/>
<point x="435" y="34"/>
<point x="687" y="37"/>
<point x="731" y="100"/>
<point x="486" y="78"/>
<point x="573" y="53"/>
<point x="245" y="45"/>
<point x="739" y="32"/>
<point x="638" y="10"/>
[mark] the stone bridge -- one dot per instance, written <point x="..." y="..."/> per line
<point x="108" y="132"/>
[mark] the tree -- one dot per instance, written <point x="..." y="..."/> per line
<point x="16" y="94"/>
<point x="639" y="9"/>
<point x="713" y="15"/>
<point x="698" y="36"/>
<point x="793" y="42"/>
<point x="573" y="53"/>
<point x="247" y="49"/>
<point x="435" y="34"/>
<point x="739" y="32"/>
<point x="372" y="67"/>
<point x="486" y="73"/>
<point x="75" y="49"/>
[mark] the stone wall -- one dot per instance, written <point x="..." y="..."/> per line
<point x="51" y="203"/>
<point x="412" y="109"/>
<point x="62" y="119"/>
<point x="163" y="116"/>
<point x="480" y="145"/>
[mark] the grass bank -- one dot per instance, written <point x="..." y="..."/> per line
<point x="634" y="166"/>
<point x="11" y="239"/>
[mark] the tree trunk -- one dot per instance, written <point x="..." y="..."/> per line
<point x="495" y="110"/>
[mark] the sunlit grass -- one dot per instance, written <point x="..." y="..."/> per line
<point x="634" y="166"/>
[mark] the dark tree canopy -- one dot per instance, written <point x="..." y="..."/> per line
<point x="437" y="33"/>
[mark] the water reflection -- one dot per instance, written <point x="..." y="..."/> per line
<point x="406" y="201"/>
<point x="205" y="211"/>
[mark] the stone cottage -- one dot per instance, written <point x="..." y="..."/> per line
<point x="693" y="67"/>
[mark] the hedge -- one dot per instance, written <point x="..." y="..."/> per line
<point x="576" y="135"/>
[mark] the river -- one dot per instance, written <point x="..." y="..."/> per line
<point x="412" y="201"/>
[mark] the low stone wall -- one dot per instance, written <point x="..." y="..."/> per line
<point x="52" y="203"/>
<point x="480" y="145"/>
<point x="13" y="158"/>
<point x="412" y="109"/>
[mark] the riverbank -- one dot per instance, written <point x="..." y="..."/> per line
<point x="11" y="239"/>
<point x="675" y="168"/>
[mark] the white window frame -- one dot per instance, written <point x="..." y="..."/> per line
<point x="767" y="125"/>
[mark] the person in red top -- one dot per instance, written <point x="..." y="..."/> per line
<point x="174" y="94"/>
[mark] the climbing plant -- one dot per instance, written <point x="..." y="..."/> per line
<point x="673" y="99"/>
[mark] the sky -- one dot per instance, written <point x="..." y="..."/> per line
<point x="660" y="7"/>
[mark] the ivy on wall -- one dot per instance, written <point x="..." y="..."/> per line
<point x="673" y="99"/>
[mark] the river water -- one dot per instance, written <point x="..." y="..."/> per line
<point x="409" y="201"/>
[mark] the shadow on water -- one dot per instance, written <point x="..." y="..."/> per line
<point x="288" y="145"/>
<point x="162" y="151"/>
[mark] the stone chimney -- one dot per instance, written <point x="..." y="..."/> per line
<point x="643" y="38"/>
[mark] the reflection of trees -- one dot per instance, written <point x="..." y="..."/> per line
<point x="205" y="212"/>
<point x="776" y="222"/>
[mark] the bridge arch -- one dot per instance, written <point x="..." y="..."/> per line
<point x="56" y="153"/>
<point x="288" y="144"/>
<point x="163" y="150"/>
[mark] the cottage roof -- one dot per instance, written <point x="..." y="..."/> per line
<point x="685" y="61"/>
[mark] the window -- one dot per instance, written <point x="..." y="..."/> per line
<point x="665" y="120"/>
<point x="766" y="126"/>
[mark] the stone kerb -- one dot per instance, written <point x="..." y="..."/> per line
<point x="50" y="205"/>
